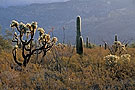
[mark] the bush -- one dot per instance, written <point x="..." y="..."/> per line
<point x="4" y="44"/>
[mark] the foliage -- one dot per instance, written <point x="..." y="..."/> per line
<point x="63" y="69"/>
<point x="5" y="43"/>
<point x="132" y="45"/>
<point x="90" y="45"/>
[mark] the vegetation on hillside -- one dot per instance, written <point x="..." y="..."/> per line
<point x="5" y="41"/>
<point x="63" y="69"/>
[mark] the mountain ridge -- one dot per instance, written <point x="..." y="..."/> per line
<point x="100" y="19"/>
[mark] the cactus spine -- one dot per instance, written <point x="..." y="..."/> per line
<point x="79" y="40"/>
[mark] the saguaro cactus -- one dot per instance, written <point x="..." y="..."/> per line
<point x="78" y="32"/>
<point x="116" y="37"/>
<point x="105" y="45"/>
<point x="80" y="45"/>
<point x="25" y="36"/>
<point x="87" y="42"/>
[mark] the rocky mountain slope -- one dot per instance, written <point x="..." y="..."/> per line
<point x="101" y="19"/>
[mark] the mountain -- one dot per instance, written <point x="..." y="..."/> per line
<point x="101" y="19"/>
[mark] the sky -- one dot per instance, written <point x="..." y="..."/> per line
<point x="6" y="3"/>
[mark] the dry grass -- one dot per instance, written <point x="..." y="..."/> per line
<point x="63" y="69"/>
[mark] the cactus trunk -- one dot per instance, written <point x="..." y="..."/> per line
<point x="78" y="26"/>
<point x="105" y="45"/>
<point x="80" y="45"/>
<point x="78" y="32"/>
<point x="116" y="37"/>
<point x="87" y="42"/>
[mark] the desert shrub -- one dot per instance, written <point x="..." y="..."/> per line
<point x="4" y="44"/>
<point x="132" y="45"/>
<point x="86" y="72"/>
<point x="111" y="60"/>
<point x="90" y="45"/>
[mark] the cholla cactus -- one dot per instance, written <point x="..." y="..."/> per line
<point x="111" y="60"/>
<point x="54" y="39"/>
<point x="28" y="30"/>
<point x="28" y="25"/>
<point x="117" y="53"/>
<point x="41" y="31"/>
<point x="14" y="24"/>
<point x="27" y="34"/>
<point x="125" y="58"/>
<point x="117" y="48"/>
<point x="47" y="37"/>
<point x="16" y="47"/>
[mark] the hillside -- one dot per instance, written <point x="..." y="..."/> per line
<point x="70" y="72"/>
<point x="100" y="18"/>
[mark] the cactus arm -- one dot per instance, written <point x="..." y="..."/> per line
<point x="23" y="48"/>
<point x="15" y="58"/>
<point x="30" y="38"/>
<point x="21" y="38"/>
<point x="27" y="49"/>
<point x="79" y="40"/>
<point x="18" y="29"/>
<point x="80" y="45"/>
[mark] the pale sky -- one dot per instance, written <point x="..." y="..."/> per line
<point x="5" y="3"/>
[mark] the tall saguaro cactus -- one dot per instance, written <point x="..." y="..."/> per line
<point x="78" y="32"/>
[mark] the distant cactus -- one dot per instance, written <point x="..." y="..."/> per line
<point x="116" y="37"/>
<point x="87" y="42"/>
<point x="78" y="32"/>
<point x="118" y="53"/>
<point x="105" y="45"/>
